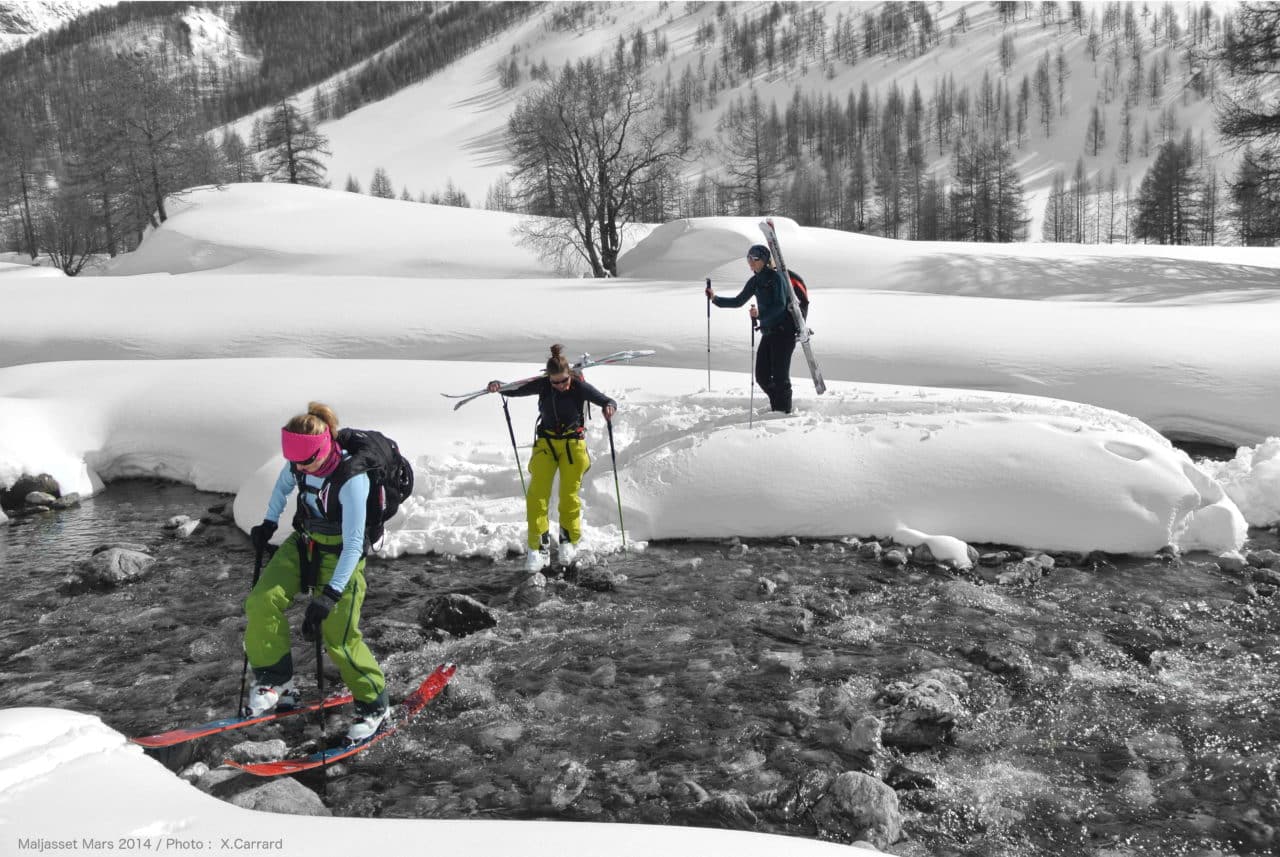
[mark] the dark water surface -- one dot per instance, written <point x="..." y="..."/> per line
<point x="1123" y="709"/>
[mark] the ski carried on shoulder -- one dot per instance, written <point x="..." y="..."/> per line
<point x="793" y="305"/>
<point x="413" y="703"/>
<point x="586" y="362"/>
<point x="213" y="727"/>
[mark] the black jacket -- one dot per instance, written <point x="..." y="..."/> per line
<point x="768" y="289"/>
<point x="560" y="411"/>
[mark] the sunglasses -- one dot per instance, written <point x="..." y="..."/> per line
<point x="308" y="462"/>
<point x="563" y="382"/>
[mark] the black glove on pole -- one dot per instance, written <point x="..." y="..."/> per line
<point x="317" y="611"/>
<point x="261" y="538"/>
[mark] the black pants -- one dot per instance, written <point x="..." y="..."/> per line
<point x="773" y="366"/>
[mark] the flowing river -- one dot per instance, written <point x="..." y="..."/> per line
<point x="1111" y="706"/>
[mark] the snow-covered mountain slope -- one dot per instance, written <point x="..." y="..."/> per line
<point x="22" y="19"/>
<point x="449" y="128"/>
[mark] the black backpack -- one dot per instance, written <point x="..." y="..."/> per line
<point x="390" y="480"/>
<point x="802" y="292"/>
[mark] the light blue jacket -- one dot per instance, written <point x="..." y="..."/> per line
<point x="352" y="497"/>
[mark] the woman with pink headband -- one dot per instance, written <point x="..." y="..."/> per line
<point x="325" y="554"/>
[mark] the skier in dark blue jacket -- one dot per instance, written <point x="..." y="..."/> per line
<point x="777" y="328"/>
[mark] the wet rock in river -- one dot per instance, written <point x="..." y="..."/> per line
<point x="902" y="778"/>
<point x="999" y="657"/>
<point x="181" y="526"/>
<point x="896" y="557"/>
<point x="730" y="809"/>
<point x="283" y="795"/>
<point x="1265" y="558"/>
<point x="14" y="497"/>
<point x="922" y="714"/>
<point x="1135" y="789"/>
<point x="115" y="566"/>
<point x="1232" y="561"/>
<point x="858" y="806"/>
<point x="456" y="614"/>
<point x="865" y="737"/>
<point x="599" y="579"/>
<point x="564" y="786"/>
<point x="258" y="751"/>
<point x="793" y="802"/>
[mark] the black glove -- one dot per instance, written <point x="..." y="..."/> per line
<point x="261" y="534"/>
<point x="317" y="611"/>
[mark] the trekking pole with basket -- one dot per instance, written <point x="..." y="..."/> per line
<point x="751" y="378"/>
<point x="244" y="670"/>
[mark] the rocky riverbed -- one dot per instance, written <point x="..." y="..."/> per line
<point x="1035" y="705"/>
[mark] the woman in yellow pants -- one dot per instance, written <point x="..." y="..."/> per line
<point x="558" y="448"/>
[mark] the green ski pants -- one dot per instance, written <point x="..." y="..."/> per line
<point x="266" y="636"/>
<point x="569" y="457"/>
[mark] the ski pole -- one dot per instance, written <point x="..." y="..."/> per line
<point x="617" y="490"/>
<point x="324" y="720"/>
<point x="751" y="413"/>
<point x="324" y="716"/>
<point x="519" y="469"/>
<point x="244" y="670"/>
<point x="708" y="337"/>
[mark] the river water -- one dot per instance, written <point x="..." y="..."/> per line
<point x="1113" y="707"/>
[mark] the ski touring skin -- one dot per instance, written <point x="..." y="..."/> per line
<point x="586" y="362"/>
<point x="771" y="236"/>
<point x="213" y="727"/>
<point x="413" y="703"/>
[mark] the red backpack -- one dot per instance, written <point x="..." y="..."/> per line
<point x="802" y="293"/>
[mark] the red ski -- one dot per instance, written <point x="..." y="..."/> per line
<point x="213" y="727"/>
<point x="413" y="703"/>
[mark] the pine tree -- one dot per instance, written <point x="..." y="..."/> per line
<point x="750" y="154"/>
<point x="1167" y="205"/>
<point x="1124" y="148"/>
<point x="353" y="184"/>
<point x="1255" y="197"/>
<point x="293" y="147"/>
<point x="241" y="166"/>
<point x="380" y="186"/>
<point x="1096" y="134"/>
<point x="1250" y="117"/>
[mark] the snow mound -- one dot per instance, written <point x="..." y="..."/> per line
<point x="1039" y="480"/>
<point x="270" y="228"/>
<point x="831" y="261"/>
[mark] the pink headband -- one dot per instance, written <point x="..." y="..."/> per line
<point x="300" y="447"/>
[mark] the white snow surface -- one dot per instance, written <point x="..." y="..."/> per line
<point x="187" y="366"/>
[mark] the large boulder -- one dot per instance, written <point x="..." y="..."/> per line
<point x="456" y="614"/>
<point x="922" y="714"/>
<point x="15" y="496"/>
<point x="116" y="565"/>
<point x="282" y="795"/>
<point x="859" y="807"/>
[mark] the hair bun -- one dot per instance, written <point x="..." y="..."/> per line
<point x="556" y="349"/>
